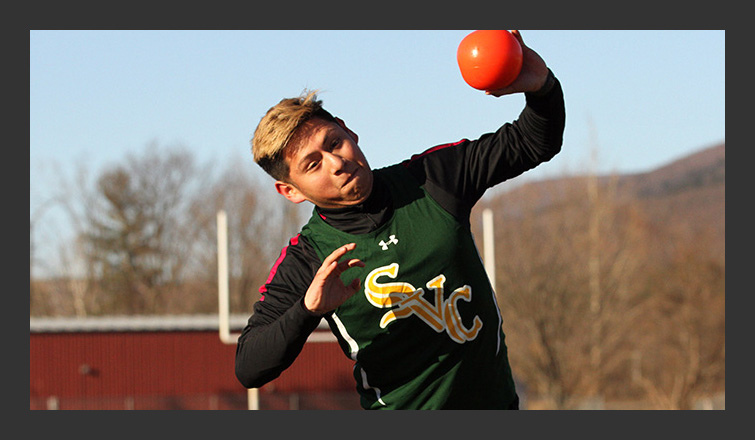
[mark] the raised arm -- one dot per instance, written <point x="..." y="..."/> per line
<point x="458" y="174"/>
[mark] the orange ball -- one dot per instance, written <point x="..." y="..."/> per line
<point x="489" y="59"/>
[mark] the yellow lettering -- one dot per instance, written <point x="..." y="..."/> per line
<point x="388" y="294"/>
<point x="405" y="301"/>
<point x="452" y="312"/>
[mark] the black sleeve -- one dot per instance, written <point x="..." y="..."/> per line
<point x="457" y="175"/>
<point x="277" y="330"/>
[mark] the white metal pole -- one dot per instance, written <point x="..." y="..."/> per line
<point x="489" y="244"/>
<point x="223" y="307"/>
<point x="224" y="326"/>
<point x="253" y="399"/>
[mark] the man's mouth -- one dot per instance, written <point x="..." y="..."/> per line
<point x="350" y="178"/>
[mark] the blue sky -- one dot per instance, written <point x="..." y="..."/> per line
<point x="642" y="98"/>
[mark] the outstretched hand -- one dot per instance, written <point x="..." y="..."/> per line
<point x="532" y="76"/>
<point x="327" y="291"/>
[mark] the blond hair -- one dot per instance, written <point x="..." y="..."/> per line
<point x="276" y="130"/>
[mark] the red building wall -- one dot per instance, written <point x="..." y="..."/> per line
<point x="165" y="366"/>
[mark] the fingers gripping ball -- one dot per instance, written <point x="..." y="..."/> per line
<point x="489" y="59"/>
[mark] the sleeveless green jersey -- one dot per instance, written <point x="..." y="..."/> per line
<point x="424" y="329"/>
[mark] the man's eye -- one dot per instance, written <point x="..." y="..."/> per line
<point x="312" y="165"/>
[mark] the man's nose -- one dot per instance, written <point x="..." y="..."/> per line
<point x="336" y="162"/>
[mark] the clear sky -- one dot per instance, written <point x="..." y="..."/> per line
<point x="642" y="98"/>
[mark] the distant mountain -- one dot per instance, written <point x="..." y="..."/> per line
<point x="700" y="170"/>
<point x="687" y="196"/>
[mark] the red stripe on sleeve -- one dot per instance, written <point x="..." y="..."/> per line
<point x="431" y="150"/>
<point x="293" y="242"/>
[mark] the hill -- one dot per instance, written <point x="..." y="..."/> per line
<point x="689" y="194"/>
<point x="703" y="169"/>
<point x="686" y="196"/>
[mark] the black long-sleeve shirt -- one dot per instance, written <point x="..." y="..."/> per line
<point x="455" y="175"/>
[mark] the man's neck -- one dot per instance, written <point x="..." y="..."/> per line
<point x="364" y="217"/>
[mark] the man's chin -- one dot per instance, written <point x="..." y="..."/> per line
<point x="362" y="188"/>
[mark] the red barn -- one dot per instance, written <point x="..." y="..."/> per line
<point x="171" y="362"/>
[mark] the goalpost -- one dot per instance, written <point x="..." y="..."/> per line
<point x="224" y="327"/>
<point x="488" y="237"/>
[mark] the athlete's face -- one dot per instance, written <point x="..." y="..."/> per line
<point x="328" y="169"/>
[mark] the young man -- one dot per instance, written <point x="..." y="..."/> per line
<point x="388" y="259"/>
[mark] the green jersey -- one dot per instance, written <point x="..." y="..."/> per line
<point x="424" y="329"/>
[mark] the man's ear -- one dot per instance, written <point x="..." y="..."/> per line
<point x="289" y="191"/>
<point x="340" y="122"/>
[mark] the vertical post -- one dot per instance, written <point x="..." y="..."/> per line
<point x="223" y="307"/>
<point x="253" y="398"/>
<point x="224" y="326"/>
<point x="489" y="245"/>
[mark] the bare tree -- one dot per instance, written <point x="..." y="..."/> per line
<point x="34" y="218"/>
<point x="259" y="225"/>
<point x="683" y="353"/>
<point x="134" y="240"/>
<point x="146" y="237"/>
<point x="565" y="277"/>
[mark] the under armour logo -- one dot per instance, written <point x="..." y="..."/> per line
<point x="392" y="240"/>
